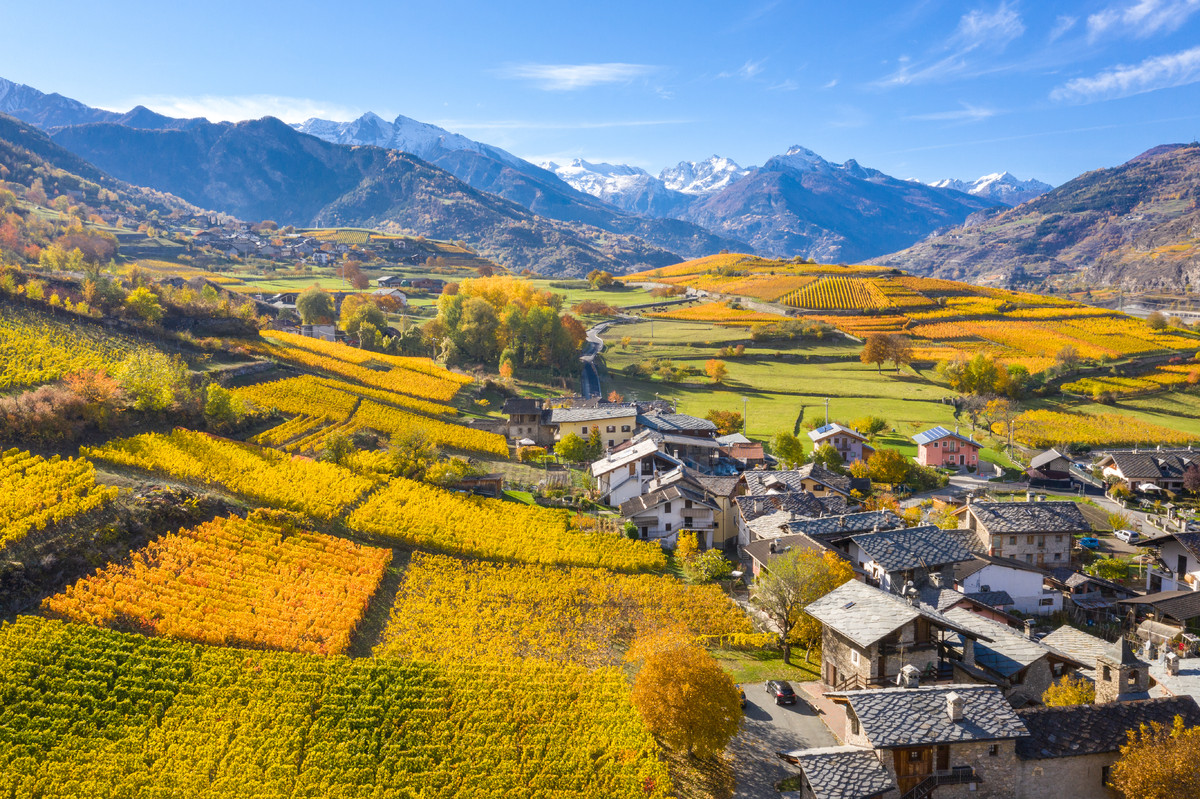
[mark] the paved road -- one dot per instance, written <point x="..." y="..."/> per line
<point x="589" y="384"/>
<point x="768" y="728"/>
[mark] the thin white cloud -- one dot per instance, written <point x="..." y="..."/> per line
<point x="968" y="113"/>
<point x="571" y="77"/>
<point x="1142" y="18"/>
<point x="1124" y="80"/>
<point x="789" y="85"/>
<point x="745" y="71"/>
<point x="1063" y="24"/>
<point x="237" y="108"/>
<point x="978" y="32"/>
<point x="831" y="84"/>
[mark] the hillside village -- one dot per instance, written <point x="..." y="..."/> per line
<point x="413" y="469"/>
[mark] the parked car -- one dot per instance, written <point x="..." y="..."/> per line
<point x="1128" y="536"/>
<point x="782" y="691"/>
<point x="1089" y="542"/>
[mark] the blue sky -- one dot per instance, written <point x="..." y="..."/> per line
<point x="919" y="89"/>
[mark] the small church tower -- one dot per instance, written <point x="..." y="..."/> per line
<point x="1120" y="675"/>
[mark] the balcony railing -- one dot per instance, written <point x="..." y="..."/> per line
<point x="959" y="775"/>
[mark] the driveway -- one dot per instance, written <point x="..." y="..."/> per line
<point x="768" y="728"/>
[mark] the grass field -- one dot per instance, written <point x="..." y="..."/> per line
<point x="617" y="297"/>
<point x="760" y="665"/>
<point x="776" y="388"/>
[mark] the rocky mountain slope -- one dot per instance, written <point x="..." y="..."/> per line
<point x="264" y="169"/>
<point x="1136" y="225"/>
<point x="1003" y="187"/>
<point x="800" y="204"/>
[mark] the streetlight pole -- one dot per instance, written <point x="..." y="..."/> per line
<point x="745" y="426"/>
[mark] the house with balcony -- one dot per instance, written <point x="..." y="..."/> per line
<point x="1039" y="533"/>
<point x="1023" y="583"/>
<point x="812" y="478"/>
<point x="662" y="512"/>
<point x="626" y="472"/>
<point x="1177" y="567"/>
<point x="614" y="423"/>
<point x="950" y="739"/>
<point x="766" y="515"/>
<point x="850" y="444"/>
<point x="868" y="635"/>
<point x="942" y="447"/>
<point x="896" y="558"/>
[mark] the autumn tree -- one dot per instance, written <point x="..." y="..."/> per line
<point x="1159" y="762"/>
<point x="143" y="303"/>
<point x="154" y="381"/>
<point x="709" y="565"/>
<point x="876" y="349"/>
<point x="615" y="396"/>
<point x="599" y="279"/>
<point x="315" y="306"/>
<point x="684" y="696"/>
<point x="1069" y="691"/>
<point x="870" y="426"/>
<point x="1191" y="478"/>
<point x="353" y="274"/>
<point x="716" y="370"/>
<point x="793" y="581"/>
<point x="726" y="421"/>
<point x="687" y="546"/>
<point x="887" y="466"/>
<point x="830" y="458"/>
<point x="573" y="449"/>
<point x="358" y="310"/>
<point x="788" y="450"/>
<point x="1157" y="321"/>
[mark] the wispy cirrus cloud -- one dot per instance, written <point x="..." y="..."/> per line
<point x="968" y="113"/>
<point x="746" y="71"/>
<point x="1142" y="18"/>
<point x="572" y="77"/>
<point x="218" y="108"/>
<point x="1062" y="24"/>
<point x="978" y="32"/>
<point x="1125" y="80"/>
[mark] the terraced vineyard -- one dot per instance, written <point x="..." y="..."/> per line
<point x="38" y="348"/>
<point x="36" y="493"/>
<point x="838" y="294"/>
<point x="92" y="712"/>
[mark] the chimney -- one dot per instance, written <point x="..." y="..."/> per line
<point x="1172" y="664"/>
<point x="909" y="677"/>
<point x="1029" y="628"/>
<point x="773" y="547"/>
<point x="968" y="651"/>
<point x="954" y="706"/>
<point x="910" y="591"/>
<point x="1029" y="496"/>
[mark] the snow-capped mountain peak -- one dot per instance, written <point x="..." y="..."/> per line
<point x="1003" y="187"/>
<point x="797" y="159"/>
<point x="702" y="177"/>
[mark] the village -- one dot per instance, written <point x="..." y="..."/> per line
<point x="968" y="603"/>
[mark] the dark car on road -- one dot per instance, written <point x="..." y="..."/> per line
<point x="782" y="691"/>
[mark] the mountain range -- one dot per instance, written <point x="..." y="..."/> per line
<point x="416" y="177"/>
<point x="1003" y="187"/>
<point x="1136" y="226"/>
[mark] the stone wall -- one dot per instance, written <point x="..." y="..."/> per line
<point x="1000" y="773"/>
<point x="1065" y="777"/>
<point x="1038" y="677"/>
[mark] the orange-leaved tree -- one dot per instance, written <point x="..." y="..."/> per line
<point x="686" y="699"/>
<point x="1159" y="762"/>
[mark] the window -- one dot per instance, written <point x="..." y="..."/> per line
<point x="853" y="723"/>
<point x="994" y="750"/>
<point x="687" y="522"/>
<point x="1029" y="557"/>
<point x="611" y="443"/>
<point x="1029" y="539"/>
<point x="1107" y="673"/>
<point x="612" y="428"/>
<point x="687" y="503"/>
<point x="914" y="755"/>
<point x="1058" y="556"/>
<point x="1058" y="669"/>
<point x="934" y="445"/>
<point x="1012" y="539"/>
<point x="585" y="432"/>
<point x="1105" y="772"/>
<point x="624" y="428"/>
<point x="668" y="527"/>
<point x="818" y="487"/>
<point x="1046" y="601"/>
<point x="854" y="658"/>
<point x="1133" y="677"/>
<point x="667" y="508"/>
<point x="1058" y="539"/>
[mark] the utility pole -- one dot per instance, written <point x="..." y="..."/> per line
<point x="744" y="418"/>
<point x="827" y="411"/>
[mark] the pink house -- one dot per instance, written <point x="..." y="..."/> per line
<point x="942" y="447"/>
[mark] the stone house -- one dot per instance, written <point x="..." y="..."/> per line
<point x="1040" y="533"/>
<point x="1069" y="751"/>
<point x="958" y="739"/>
<point x="526" y="420"/>
<point x="765" y="515"/>
<point x="688" y="438"/>
<point x="1012" y="661"/>
<point x="869" y="635"/>
<point x="896" y="558"/>
<point x="1049" y="468"/>
<point x="850" y="444"/>
<point x="722" y="491"/>
<point x="941" y="447"/>
<point x="616" y="424"/>
<point x="1024" y="583"/>
<point x="812" y="477"/>
<point x="762" y="552"/>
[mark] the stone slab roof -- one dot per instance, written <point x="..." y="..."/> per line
<point x="991" y="598"/>
<point x="790" y="480"/>
<point x="1152" y="464"/>
<point x="714" y="484"/>
<point x="1008" y="651"/>
<point x="671" y="493"/>
<point x="676" y="422"/>
<point x="901" y="717"/>
<point x="846" y="524"/>
<point x="866" y="614"/>
<point x="1049" y="456"/>
<point x="1029" y="517"/>
<point x="912" y="548"/>
<point x="1076" y="730"/>
<point x="1082" y="646"/>
<point x="801" y="504"/>
<point x="1180" y="605"/>
<point x="561" y="415"/>
<point x="842" y="772"/>
<point x="761" y="550"/>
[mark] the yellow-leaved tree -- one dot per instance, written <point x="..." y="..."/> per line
<point x="1069" y="691"/>
<point x="792" y="581"/>
<point x="1159" y="762"/>
<point x="686" y="699"/>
